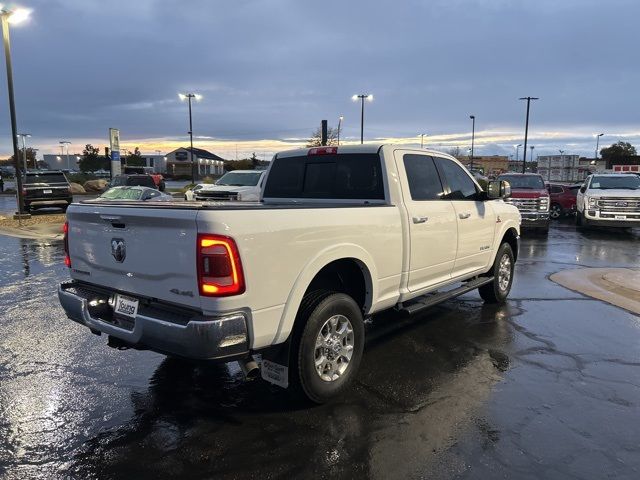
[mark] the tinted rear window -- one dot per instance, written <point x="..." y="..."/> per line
<point x="46" y="178"/>
<point x="341" y="176"/>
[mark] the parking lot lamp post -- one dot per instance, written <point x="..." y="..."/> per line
<point x="422" y="135"/>
<point x="340" y="118"/>
<point x="64" y="144"/>
<point x="362" y="97"/>
<point x="23" y="136"/>
<point x="13" y="17"/>
<point x="531" y="148"/>
<point x="526" y="130"/>
<point x="598" y="144"/>
<point x="518" y="152"/>
<point x="188" y="97"/>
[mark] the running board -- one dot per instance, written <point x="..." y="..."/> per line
<point x="426" y="301"/>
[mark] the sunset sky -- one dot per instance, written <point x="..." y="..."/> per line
<point x="270" y="70"/>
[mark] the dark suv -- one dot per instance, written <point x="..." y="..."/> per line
<point x="135" y="180"/>
<point x="43" y="189"/>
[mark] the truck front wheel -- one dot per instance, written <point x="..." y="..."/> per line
<point x="502" y="271"/>
<point x="328" y="349"/>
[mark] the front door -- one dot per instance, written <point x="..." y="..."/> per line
<point x="476" y="219"/>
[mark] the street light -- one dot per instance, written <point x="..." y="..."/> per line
<point x="340" y="118"/>
<point x="13" y="17"/>
<point x="24" y="149"/>
<point x="526" y="131"/>
<point x="532" y="147"/>
<point x="362" y="98"/>
<point x="197" y="97"/>
<point x="65" y="144"/>
<point x="473" y="135"/>
<point x="517" y="147"/>
<point x="422" y="135"/>
<point x="598" y="144"/>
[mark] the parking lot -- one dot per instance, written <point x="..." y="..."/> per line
<point x="544" y="387"/>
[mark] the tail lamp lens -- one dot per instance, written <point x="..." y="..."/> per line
<point x="67" y="258"/>
<point x="219" y="267"/>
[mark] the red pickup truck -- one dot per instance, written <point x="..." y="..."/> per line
<point x="158" y="179"/>
<point x="563" y="199"/>
<point x="530" y="196"/>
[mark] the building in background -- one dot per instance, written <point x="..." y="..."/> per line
<point x="178" y="163"/>
<point x="565" y="168"/>
<point x="59" y="162"/>
<point x="489" y="164"/>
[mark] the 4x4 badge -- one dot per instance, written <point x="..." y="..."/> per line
<point x="118" y="249"/>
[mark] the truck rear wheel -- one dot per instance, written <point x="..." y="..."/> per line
<point x="327" y="350"/>
<point x="502" y="271"/>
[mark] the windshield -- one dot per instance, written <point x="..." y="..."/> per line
<point x="625" y="182"/>
<point x="120" y="193"/>
<point x="237" y="179"/>
<point x="526" y="182"/>
<point x="46" y="178"/>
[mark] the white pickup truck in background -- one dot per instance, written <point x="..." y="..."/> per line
<point x="609" y="200"/>
<point x="240" y="185"/>
<point x="340" y="233"/>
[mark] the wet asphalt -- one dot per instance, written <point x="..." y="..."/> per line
<point x="544" y="387"/>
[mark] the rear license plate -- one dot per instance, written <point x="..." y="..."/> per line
<point x="47" y="191"/>
<point x="621" y="217"/>
<point x="126" y="306"/>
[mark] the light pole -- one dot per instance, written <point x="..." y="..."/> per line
<point x="13" y="17"/>
<point x="526" y="131"/>
<point x="598" y="144"/>
<point x="362" y="98"/>
<point x="422" y="135"/>
<point x="532" y="147"/>
<point x="64" y="144"/>
<point x="473" y="135"/>
<point x="24" y="149"/>
<point x="340" y="118"/>
<point x="517" y="151"/>
<point x="189" y="96"/>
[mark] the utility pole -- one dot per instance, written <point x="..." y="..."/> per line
<point x="526" y="131"/>
<point x="422" y="140"/>
<point x="340" y="118"/>
<point x="188" y="97"/>
<point x="598" y="144"/>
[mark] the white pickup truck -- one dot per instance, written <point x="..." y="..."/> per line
<point x="339" y="234"/>
<point x="609" y="200"/>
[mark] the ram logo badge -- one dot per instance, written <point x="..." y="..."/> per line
<point x="118" y="249"/>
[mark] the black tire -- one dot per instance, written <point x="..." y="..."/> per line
<point x="579" y="218"/>
<point x="316" y="310"/>
<point x="162" y="186"/>
<point x="555" y="211"/>
<point x="492" y="292"/>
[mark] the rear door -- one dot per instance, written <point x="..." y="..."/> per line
<point x="146" y="252"/>
<point x="476" y="219"/>
<point x="431" y="219"/>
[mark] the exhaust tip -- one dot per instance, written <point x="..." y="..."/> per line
<point x="249" y="368"/>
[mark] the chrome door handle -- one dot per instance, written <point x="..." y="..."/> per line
<point x="420" y="219"/>
<point x="464" y="215"/>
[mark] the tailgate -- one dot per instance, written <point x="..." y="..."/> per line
<point x="142" y="251"/>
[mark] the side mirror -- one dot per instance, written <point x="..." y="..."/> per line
<point x="583" y="189"/>
<point x="498" y="189"/>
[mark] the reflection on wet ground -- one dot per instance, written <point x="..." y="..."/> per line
<point x="546" y="386"/>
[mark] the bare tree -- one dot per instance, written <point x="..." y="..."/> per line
<point x="316" y="137"/>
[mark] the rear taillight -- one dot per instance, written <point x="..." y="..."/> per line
<point x="67" y="258"/>
<point x="219" y="267"/>
<point x="323" y="151"/>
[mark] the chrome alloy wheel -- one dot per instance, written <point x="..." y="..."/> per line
<point x="334" y="348"/>
<point x="504" y="272"/>
<point x="555" y="211"/>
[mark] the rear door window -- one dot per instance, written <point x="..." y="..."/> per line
<point x="422" y="176"/>
<point x="340" y="176"/>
